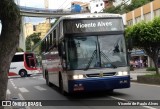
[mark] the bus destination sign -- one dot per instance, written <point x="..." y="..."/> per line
<point x="98" y="25"/>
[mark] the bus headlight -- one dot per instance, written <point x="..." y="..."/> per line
<point x="78" y="76"/>
<point x="75" y="76"/>
<point x="122" y="73"/>
<point x="125" y="73"/>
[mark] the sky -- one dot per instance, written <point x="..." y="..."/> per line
<point x="53" y="4"/>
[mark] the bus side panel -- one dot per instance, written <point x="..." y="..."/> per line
<point x="15" y="67"/>
<point x="53" y="67"/>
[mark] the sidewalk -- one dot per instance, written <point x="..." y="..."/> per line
<point x="141" y="71"/>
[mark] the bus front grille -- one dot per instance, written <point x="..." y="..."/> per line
<point x="101" y="74"/>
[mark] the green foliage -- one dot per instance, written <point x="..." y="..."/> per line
<point x="32" y="40"/>
<point x="120" y="9"/>
<point x="124" y="7"/>
<point x="19" y="50"/>
<point x="138" y="3"/>
<point x="152" y="75"/>
<point x="151" y="69"/>
<point x="131" y="68"/>
<point x="146" y="36"/>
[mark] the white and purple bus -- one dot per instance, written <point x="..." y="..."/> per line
<point x="86" y="52"/>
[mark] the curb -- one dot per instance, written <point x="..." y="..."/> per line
<point x="134" y="81"/>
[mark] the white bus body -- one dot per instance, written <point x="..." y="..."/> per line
<point x="86" y="52"/>
<point x="23" y="64"/>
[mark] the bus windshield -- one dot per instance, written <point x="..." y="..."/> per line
<point x="86" y="52"/>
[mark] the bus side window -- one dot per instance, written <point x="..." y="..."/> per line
<point x="61" y="50"/>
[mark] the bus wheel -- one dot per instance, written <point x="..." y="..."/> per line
<point x="47" y="80"/>
<point x="23" y="73"/>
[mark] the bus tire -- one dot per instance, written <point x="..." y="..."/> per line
<point x="23" y="73"/>
<point x="47" y="79"/>
<point x="61" y="87"/>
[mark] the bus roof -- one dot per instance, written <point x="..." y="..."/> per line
<point x="80" y="16"/>
<point x="90" y="15"/>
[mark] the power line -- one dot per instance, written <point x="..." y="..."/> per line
<point x="62" y="4"/>
<point x="122" y="3"/>
<point x="69" y="3"/>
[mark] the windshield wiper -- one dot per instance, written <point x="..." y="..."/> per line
<point x="90" y="61"/>
<point x="104" y="55"/>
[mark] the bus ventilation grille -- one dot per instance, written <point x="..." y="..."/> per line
<point x="101" y="74"/>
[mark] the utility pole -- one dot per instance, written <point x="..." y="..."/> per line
<point x="46" y="5"/>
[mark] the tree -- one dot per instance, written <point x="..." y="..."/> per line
<point x="9" y="40"/>
<point x="33" y="38"/>
<point x="124" y="7"/>
<point x="19" y="50"/>
<point x="146" y="36"/>
<point x="138" y="3"/>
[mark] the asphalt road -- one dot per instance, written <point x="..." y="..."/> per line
<point x="35" y="88"/>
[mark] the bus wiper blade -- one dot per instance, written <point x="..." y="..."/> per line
<point x="104" y="55"/>
<point x="90" y="61"/>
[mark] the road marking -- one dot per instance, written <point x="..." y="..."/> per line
<point x="39" y="88"/>
<point x="13" y="84"/>
<point x="117" y="98"/>
<point x="146" y="84"/>
<point x="41" y="78"/>
<point x="23" y="89"/>
<point x="22" y="98"/>
<point x="8" y="91"/>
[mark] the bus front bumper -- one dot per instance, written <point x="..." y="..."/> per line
<point x="98" y="84"/>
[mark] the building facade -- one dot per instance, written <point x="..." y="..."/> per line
<point x="42" y="28"/>
<point x="28" y="29"/>
<point x="144" y="13"/>
<point x="94" y="6"/>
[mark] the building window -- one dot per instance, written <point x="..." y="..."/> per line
<point x="101" y="4"/>
<point x="96" y="5"/>
<point x="147" y="17"/>
<point x="157" y="12"/>
<point x="34" y="27"/>
<point x="130" y="22"/>
<point x="137" y="19"/>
